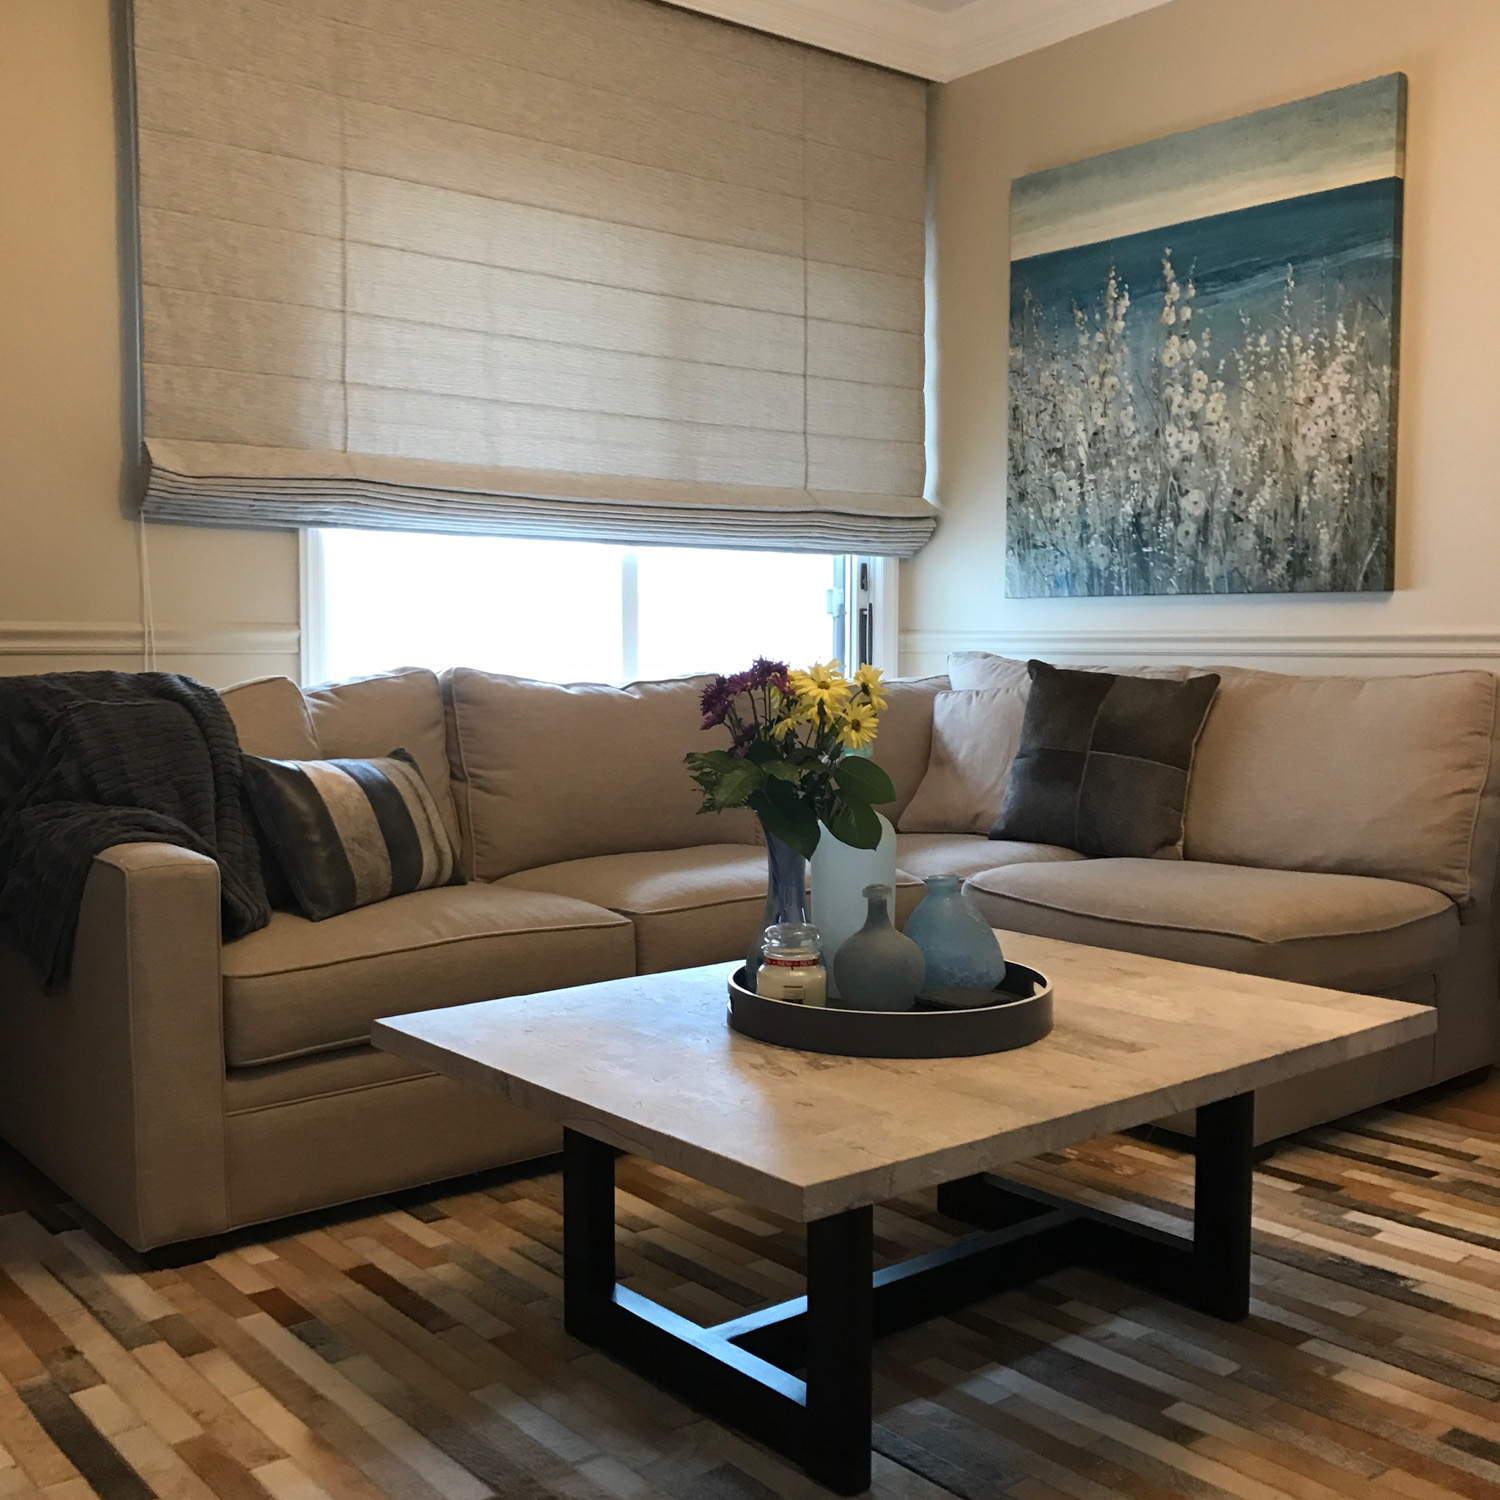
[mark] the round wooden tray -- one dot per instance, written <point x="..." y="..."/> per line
<point x="1023" y="1016"/>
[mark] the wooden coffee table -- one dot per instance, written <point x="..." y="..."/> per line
<point x="648" y="1066"/>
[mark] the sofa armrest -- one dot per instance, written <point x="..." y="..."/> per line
<point x="114" y="1085"/>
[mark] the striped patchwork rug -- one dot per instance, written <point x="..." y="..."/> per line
<point x="417" y="1351"/>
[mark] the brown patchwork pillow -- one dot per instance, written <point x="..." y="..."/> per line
<point x="1104" y="761"/>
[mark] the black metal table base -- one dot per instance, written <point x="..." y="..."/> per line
<point x="797" y="1376"/>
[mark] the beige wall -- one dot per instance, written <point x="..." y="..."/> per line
<point x="1185" y="64"/>
<point x="225" y="602"/>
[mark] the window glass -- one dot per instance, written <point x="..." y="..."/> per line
<point x="562" y="611"/>
<point x="536" y="609"/>
<point x="717" y="611"/>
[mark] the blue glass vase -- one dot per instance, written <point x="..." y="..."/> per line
<point x="958" y="944"/>
<point x="786" y="897"/>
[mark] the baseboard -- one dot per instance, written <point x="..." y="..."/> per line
<point x="112" y="638"/>
<point x="1202" y="645"/>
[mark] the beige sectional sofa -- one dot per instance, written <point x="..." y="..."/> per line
<point x="1339" y="831"/>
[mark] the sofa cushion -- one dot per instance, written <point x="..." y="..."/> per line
<point x="963" y="854"/>
<point x="546" y="773"/>
<point x="689" y="906"/>
<point x="1358" y="775"/>
<point x="975" y="734"/>
<point x="1348" y="932"/>
<point x="903" y="746"/>
<point x="298" y="987"/>
<point x="271" y="718"/>
<point x="371" y="716"/>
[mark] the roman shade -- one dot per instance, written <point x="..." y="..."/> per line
<point x="597" y="269"/>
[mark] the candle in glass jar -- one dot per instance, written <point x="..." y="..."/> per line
<point x="792" y="968"/>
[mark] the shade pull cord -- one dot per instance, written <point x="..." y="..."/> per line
<point x="148" y="615"/>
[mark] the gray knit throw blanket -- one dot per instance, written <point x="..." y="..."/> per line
<point x="93" y="759"/>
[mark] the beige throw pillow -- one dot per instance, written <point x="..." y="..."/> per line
<point x="975" y="735"/>
<point x="983" y="669"/>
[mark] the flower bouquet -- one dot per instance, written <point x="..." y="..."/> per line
<point x="790" y="758"/>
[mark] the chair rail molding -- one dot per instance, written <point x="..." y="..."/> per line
<point x="116" y="638"/>
<point x="1187" y="644"/>
<point x="911" y="37"/>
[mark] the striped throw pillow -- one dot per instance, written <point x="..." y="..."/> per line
<point x="349" y="832"/>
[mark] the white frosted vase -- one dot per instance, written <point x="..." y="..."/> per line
<point x="839" y="877"/>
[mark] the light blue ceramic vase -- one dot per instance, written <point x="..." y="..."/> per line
<point x="956" y="941"/>
<point x="878" y="968"/>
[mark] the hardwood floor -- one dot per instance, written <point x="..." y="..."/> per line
<point x="416" y="1349"/>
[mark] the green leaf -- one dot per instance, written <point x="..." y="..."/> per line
<point x="781" y="770"/>
<point x="735" y="785"/>
<point x="863" y="781"/>
<point x="710" y="760"/>
<point x="855" y="823"/>
<point x="787" y="816"/>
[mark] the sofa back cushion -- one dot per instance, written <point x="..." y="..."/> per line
<point x="371" y="716"/>
<point x="545" y="773"/>
<point x="1351" y="775"/>
<point x="271" y="718"/>
<point x="904" y="744"/>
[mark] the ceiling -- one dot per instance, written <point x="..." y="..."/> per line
<point x="938" y="39"/>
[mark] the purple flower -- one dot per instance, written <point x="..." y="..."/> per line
<point x="771" y="673"/>
<point x="715" y="701"/>
<point x="718" y="697"/>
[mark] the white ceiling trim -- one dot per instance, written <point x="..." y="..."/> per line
<point x="941" y="45"/>
<point x="991" y="31"/>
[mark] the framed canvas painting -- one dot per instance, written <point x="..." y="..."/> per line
<point x="1203" y="358"/>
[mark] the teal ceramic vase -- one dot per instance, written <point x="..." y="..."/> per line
<point x="957" y="943"/>
<point x="879" y="968"/>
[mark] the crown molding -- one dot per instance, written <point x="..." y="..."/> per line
<point x="937" y="45"/>
<point x="987" y="32"/>
<point x="892" y="33"/>
<point x="114" y="638"/>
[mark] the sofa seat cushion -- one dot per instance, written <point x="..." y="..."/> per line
<point x="1349" y="932"/>
<point x="963" y="854"/>
<point x="689" y="906"/>
<point x="298" y="987"/>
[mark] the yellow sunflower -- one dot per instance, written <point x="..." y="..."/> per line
<point x="868" y="679"/>
<point x="858" y="728"/>
<point x="823" y="686"/>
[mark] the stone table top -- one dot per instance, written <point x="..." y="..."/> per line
<point x="650" y="1065"/>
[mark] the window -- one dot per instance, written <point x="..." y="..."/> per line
<point x="564" y="611"/>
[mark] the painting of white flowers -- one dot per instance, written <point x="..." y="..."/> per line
<point x="1203" y="358"/>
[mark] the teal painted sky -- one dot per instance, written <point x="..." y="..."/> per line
<point x="1348" y="135"/>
